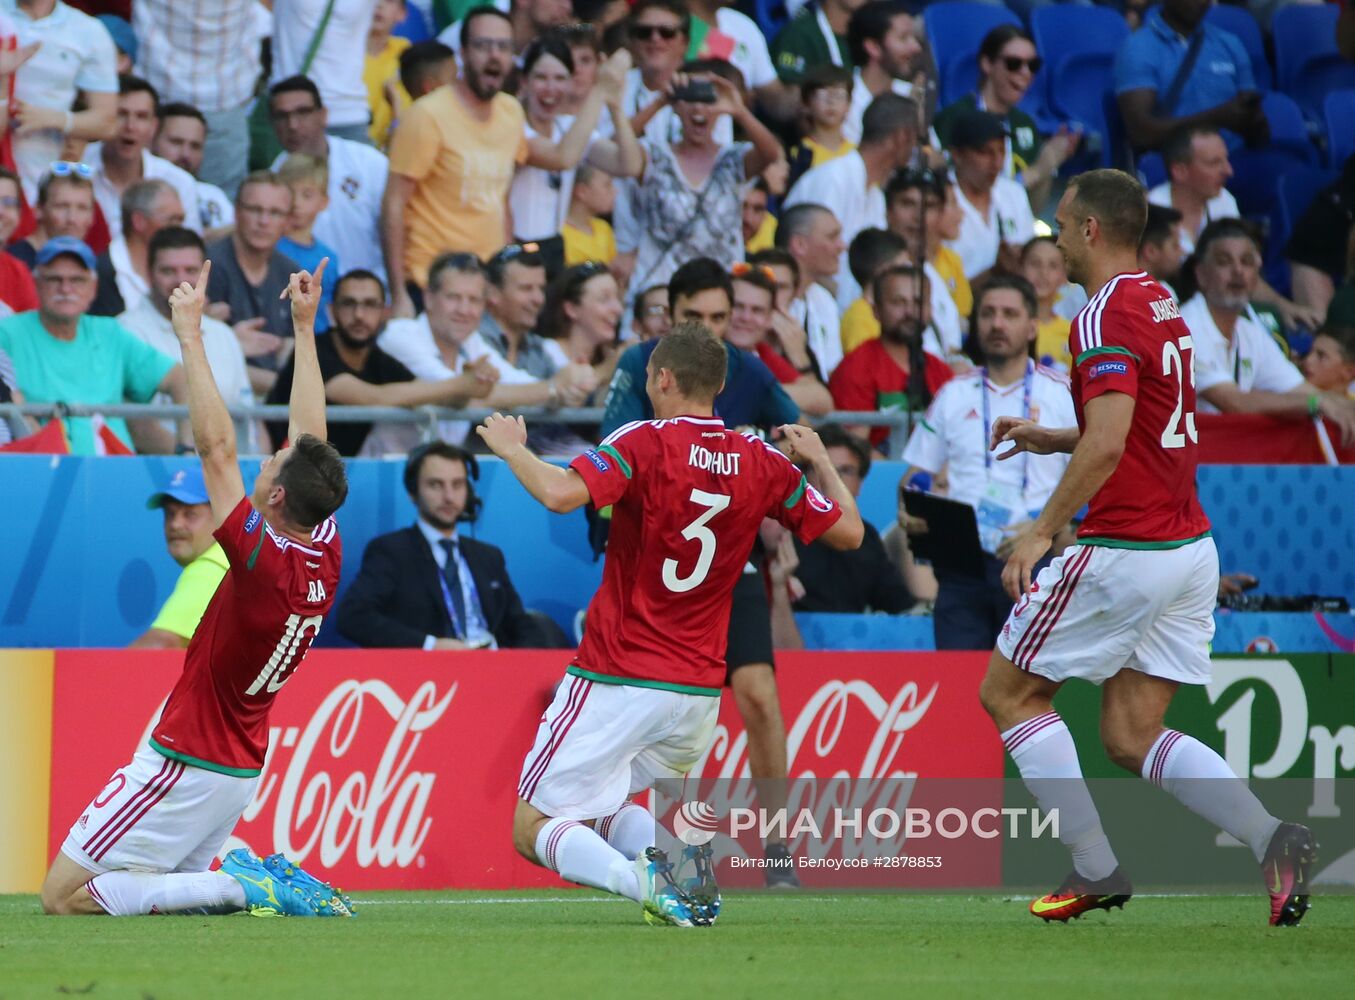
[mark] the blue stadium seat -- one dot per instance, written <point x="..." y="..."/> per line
<point x="1152" y="169"/>
<point x="1307" y="65"/>
<point x="954" y="31"/>
<point x="1296" y="190"/>
<point x="1338" y="113"/>
<point x="414" y="26"/>
<point x="770" y="16"/>
<point x="1256" y="172"/>
<point x="1240" y="22"/>
<point x="1079" y="46"/>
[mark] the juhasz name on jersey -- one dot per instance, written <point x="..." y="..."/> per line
<point x="722" y="463"/>
<point x="1165" y="309"/>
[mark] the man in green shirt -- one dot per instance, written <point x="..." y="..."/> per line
<point x="188" y="536"/>
<point x="61" y="354"/>
<point x="816" y="36"/>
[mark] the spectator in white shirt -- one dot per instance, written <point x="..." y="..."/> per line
<point x="1197" y="170"/>
<point x="1239" y="367"/>
<point x="955" y="437"/>
<point x="75" y="57"/>
<point x="812" y="235"/>
<point x="175" y="255"/>
<point x="850" y="186"/>
<point x="446" y="338"/>
<point x="205" y="53"/>
<point x="887" y="53"/>
<point x="336" y="64"/>
<point x="357" y="173"/>
<point x="997" y="217"/>
<point x="124" y="268"/>
<point x="182" y="139"/>
<point x="126" y="158"/>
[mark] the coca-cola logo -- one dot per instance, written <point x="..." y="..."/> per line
<point x="324" y="800"/>
<point x="836" y="713"/>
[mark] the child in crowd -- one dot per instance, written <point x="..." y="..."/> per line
<point x="1042" y="265"/>
<point x="426" y="66"/>
<point x="386" y="97"/>
<point x="825" y="96"/>
<point x="308" y="179"/>
<point x="759" y="225"/>
<point x="587" y="236"/>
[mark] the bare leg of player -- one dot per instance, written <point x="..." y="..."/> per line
<point x="759" y="703"/>
<point x="71" y="889"/>
<point x="575" y="851"/>
<point x="1021" y="705"/>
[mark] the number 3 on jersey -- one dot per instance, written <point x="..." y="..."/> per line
<point x="1174" y="362"/>
<point x="697" y="530"/>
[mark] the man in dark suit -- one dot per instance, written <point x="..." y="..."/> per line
<point x="424" y="586"/>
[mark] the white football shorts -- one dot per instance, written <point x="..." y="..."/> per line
<point x="1095" y="610"/>
<point x="158" y="815"/>
<point x="598" y="744"/>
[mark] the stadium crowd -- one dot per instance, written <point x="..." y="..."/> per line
<point x="516" y="201"/>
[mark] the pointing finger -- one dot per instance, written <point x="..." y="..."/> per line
<point x="202" y="279"/>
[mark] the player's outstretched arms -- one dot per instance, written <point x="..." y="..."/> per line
<point x="213" y="430"/>
<point x="1031" y="437"/>
<point x="306" y="407"/>
<point x="802" y="445"/>
<point x="559" y="490"/>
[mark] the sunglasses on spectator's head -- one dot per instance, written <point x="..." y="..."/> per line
<point x="65" y="168"/>
<point x="515" y="250"/>
<point x="742" y="269"/>
<point x="645" y="32"/>
<point x="1014" y="64"/>
<point x="922" y="177"/>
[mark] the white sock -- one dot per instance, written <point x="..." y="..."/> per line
<point x="126" y="894"/>
<point x="1202" y="781"/>
<point x="630" y="829"/>
<point x="579" y="855"/>
<point x="1044" y="752"/>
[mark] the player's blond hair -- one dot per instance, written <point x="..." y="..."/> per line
<point x="1116" y="201"/>
<point x="697" y="359"/>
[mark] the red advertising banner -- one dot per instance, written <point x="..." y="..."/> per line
<point x="398" y="769"/>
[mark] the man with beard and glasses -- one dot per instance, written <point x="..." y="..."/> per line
<point x="428" y="585"/>
<point x="453" y="156"/>
<point x="970" y="609"/>
<point x="358" y="373"/>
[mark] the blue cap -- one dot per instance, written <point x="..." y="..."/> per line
<point x="59" y="245"/>
<point x="185" y="486"/>
<point x="122" y="34"/>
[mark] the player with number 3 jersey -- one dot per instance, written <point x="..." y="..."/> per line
<point x="1130" y="607"/>
<point x="146" y="842"/>
<point x="640" y="699"/>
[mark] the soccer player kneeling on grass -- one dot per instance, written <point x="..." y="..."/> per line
<point x="144" y="845"/>
<point x="639" y="701"/>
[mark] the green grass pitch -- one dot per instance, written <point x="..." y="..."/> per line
<point x="581" y="944"/>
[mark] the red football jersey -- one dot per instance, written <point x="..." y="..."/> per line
<point x="1130" y="338"/>
<point x="252" y="637"/>
<point x="687" y="499"/>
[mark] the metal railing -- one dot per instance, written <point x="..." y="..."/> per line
<point x="427" y="418"/>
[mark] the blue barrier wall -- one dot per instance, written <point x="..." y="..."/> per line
<point x="85" y="563"/>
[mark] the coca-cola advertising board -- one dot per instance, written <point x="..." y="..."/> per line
<point x="397" y="769"/>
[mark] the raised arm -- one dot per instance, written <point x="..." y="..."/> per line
<point x="559" y="490"/>
<point x="306" y="408"/>
<point x="803" y="446"/>
<point x="213" y="430"/>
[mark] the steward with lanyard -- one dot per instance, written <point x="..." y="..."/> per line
<point x="954" y="436"/>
